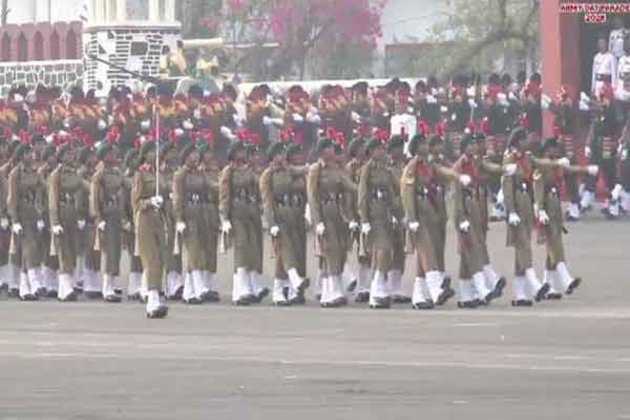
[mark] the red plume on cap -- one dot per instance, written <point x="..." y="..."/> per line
<point x="286" y="135"/>
<point x="25" y="137"/>
<point x="423" y="127"/>
<point x="113" y="135"/>
<point x="440" y="129"/>
<point x="340" y="138"/>
<point x="244" y="135"/>
<point x="330" y="133"/>
<point x="382" y="135"/>
<point x="44" y="130"/>
<point x="8" y="133"/>
<point x="207" y="136"/>
<point x="485" y="126"/>
<point x="87" y="140"/>
<point x="471" y="127"/>
<point x="138" y="142"/>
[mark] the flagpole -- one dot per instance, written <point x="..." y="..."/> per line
<point x="157" y="148"/>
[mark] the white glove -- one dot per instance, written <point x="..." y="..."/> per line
<point x="57" y="230"/>
<point x="307" y="215"/>
<point x="510" y="169"/>
<point x="101" y="225"/>
<point x="624" y="154"/>
<point x="81" y="224"/>
<point x="226" y="226"/>
<point x="465" y="180"/>
<point x="584" y="98"/>
<point x="313" y="118"/>
<point x="514" y="219"/>
<point x="472" y="103"/>
<point x="502" y="99"/>
<point x="178" y="132"/>
<point x="40" y="225"/>
<point x="414" y="226"/>
<point x="593" y="170"/>
<point x="464" y="226"/>
<point x="267" y="121"/>
<point x="4" y="223"/>
<point x="512" y="96"/>
<point x="102" y="125"/>
<point x="545" y="101"/>
<point x="564" y="162"/>
<point x="298" y="118"/>
<point x="227" y="133"/>
<point x="543" y="218"/>
<point x="145" y="125"/>
<point x="187" y="125"/>
<point x="320" y="228"/>
<point x="274" y="231"/>
<point x="157" y="201"/>
<point x="126" y="226"/>
<point x="584" y="106"/>
<point x="431" y="99"/>
<point x="366" y="228"/>
<point x="616" y="192"/>
<point x="180" y="227"/>
<point x="587" y="152"/>
<point x="394" y="220"/>
<point x="17" y="228"/>
<point x="353" y="226"/>
<point x="443" y="109"/>
<point x="470" y="91"/>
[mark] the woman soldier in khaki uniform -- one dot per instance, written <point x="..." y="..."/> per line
<point x="240" y="214"/>
<point x="282" y="212"/>
<point x="107" y="209"/>
<point x="518" y="192"/>
<point x="190" y="193"/>
<point x="469" y="219"/>
<point x="135" y="289"/>
<point x="210" y="169"/>
<point x="327" y="184"/>
<point x="378" y="189"/>
<point x="50" y="263"/>
<point x="25" y="206"/>
<point x="64" y="186"/>
<point x="88" y="259"/>
<point x="397" y="165"/>
<point x="418" y="186"/>
<point x="150" y="227"/>
<point x="548" y="208"/>
<point x="12" y="271"/>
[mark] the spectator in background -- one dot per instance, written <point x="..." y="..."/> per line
<point x="604" y="67"/>
<point x="617" y="37"/>
<point x="178" y="66"/>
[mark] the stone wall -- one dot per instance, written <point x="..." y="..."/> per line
<point x="50" y="73"/>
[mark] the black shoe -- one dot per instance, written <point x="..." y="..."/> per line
<point x="341" y="301"/>
<point x="574" y="285"/>
<point x="261" y="295"/>
<point x="135" y="296"/>
<point x="119" y="292"/>
<point x="401" y="299"/>
<point x="446" y="283"/>
<point x="486" y="300"/>
<point x="381" y="303"/>
<point x="351" y="286"/>
<point x="471" y="304"/>
<point x="93" y="295"/>
<point x="318" y="297"/>
<point x="158" y="313"/>
<point x="177" y="296"/>
<point x="444" y="297"/>
<point x="522" y="302"/>
<point x="51" y="294"/>
<point x="449" y="293"/>
<point x="427" y="304"/>
<point x="213" y="297"/>
<point x="193" y="301"/>
<point x="30" y="297"/>
<point x="334" y="304"/>
<point x="299" y="299"/>
<point x="540" y="295"/>
<point x="4" y="287"/>
<point x="41" y="292"/>
<point x="13" y="293"/>
<point x="72" y="297"/>
<point x="498" y="289"/>
<point x="112" y="299"/>
<point x="282" y="303"/>
<point x="362" y="297"/>
<point x="242" y="302"/>
<point x="306" y="283"/>
<point x="553" y="296"/>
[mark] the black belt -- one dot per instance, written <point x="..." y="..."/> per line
<point x="603" y="77"/>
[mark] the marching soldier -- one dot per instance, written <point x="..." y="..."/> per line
<point x="64" y="186"/>
<point x="379" y="217"/>
<point x="50" y="263"/>
<point x="418" y="186"/>
<point x="327" y="186"/>
<point x="190" y="192"/>
<point x="24" y="203"/>
<point x="239" y="212"/>
<point x="548" y="209"/>
<point x="136" y="290"/>
<point x="9" y="264"/>
<point x="604" y="68"/>
<point x="150" y="226"/>
<point x="283" y="213"/>
<point x="257" y="164"/>
<point x="107" y="209"/>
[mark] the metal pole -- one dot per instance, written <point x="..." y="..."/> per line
<point x="157" y="148"/>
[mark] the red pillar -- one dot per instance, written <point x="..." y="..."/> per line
<point x="559" y="39"/>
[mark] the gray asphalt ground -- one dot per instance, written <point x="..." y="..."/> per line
<point x="561" y="360"/>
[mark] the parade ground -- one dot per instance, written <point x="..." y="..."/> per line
<point x="567" y="359"/>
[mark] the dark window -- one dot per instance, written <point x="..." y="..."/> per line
<point x="22" y="47"/>
<point x="55" y="46"/>
<point x="6" y="47"/>
<point x="139" y="48"/>
<point x="39" y="46"/>
<point x="72" y="45"/>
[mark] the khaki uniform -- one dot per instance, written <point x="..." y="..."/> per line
<point x="328" y="186"/>
<point x="107" y="204"/>
<point x="440" y="207"/>
<point x="86" y="237"/>
<point x="190" y="196"/>
<point x="25" y="206"/>
<point x="173" y="261"/>
<point x="212" y="220"/>
<point x="150" y="226"/>
<point x="518" y="192"/>
<point x="49" y="261"/>
<point x="353" y="169"/>
<point x="398" y="262"/>
<point x="298" y="192"/>
<point x="260" y="243"/>
<point x="283" y="207"/>
<point x="64" y="187"/>
<point x="377" y="206"/>
<point x="5" y="235"/>
<point x="239" y="202"/>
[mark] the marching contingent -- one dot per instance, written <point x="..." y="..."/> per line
<point x="364" y="175"/>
